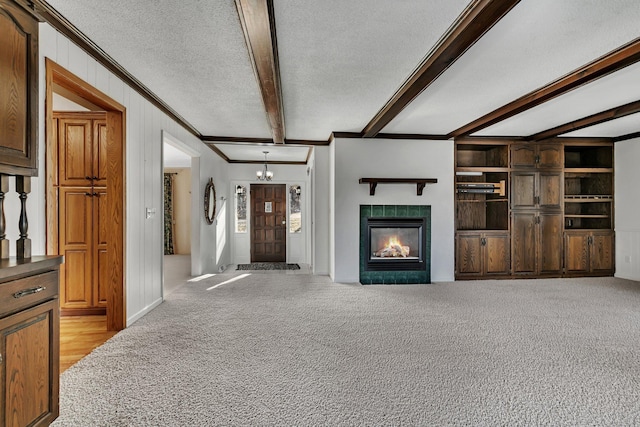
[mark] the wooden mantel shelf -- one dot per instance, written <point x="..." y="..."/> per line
<point x="420" y="183"/>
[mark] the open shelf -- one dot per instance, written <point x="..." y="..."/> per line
<point x="581" y="156"/>
<point x="482" y="156"/>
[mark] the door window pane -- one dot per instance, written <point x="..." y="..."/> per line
<point x="295" y="210"/>
<point x="241" y="209"/>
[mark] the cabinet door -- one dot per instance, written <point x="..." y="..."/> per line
<point x="601" y="254"/>
<point x="550" y="255"/>
<point x="523" y="190"/>
<point x="576" y="252"/>
<point x="75" y="244"/>
<point x="100" y="266"/>
<point x="550" y="194"/>
<point x="550" y="156"/>
<point x="75" y="154"/>
<point x="468" y="254"/>
<point x="29" y="347"/>
<point x="100" y="152"/>
<point x="523" y="156"/>
<point x="18" y="90"/>
<point x="524" y="242"/>
<point x="497" y="254"/>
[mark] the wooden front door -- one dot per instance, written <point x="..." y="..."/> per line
<point x="268" y="223"/>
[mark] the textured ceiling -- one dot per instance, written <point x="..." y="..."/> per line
<point x="191" y="53"/>
<point x="611" y="91"/>
<point x="341" y="61"/>
<point x="277" y="153"/>
<point x="536" y="43"/>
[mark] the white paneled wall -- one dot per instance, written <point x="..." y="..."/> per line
<point x="144" y="186"/>
<point x="627" y="208"/>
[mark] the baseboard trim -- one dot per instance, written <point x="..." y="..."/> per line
<point x="131" y="320"/>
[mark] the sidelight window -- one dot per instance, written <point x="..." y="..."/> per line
<point x="241" y="209"/>
<point x="295" y="209"/>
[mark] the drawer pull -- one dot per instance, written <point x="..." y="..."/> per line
<point x="29" y="291"/>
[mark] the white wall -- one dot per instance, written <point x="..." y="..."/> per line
<point x="144" y="187"/>
<point x="372" y="158"/>
<point x="627" y="207"/>
<point x="322" y="209"/>
<point x="298" y="245"/>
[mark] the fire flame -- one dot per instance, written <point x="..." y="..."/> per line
<point x="393" y="241"/>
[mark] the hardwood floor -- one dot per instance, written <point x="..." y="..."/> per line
<point x="79" y="335"/>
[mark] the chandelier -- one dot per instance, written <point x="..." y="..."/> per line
<point x="265" y="174"/>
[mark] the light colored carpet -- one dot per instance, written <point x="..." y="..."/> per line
<point x="300" y="350"/>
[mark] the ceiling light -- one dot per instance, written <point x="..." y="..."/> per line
<point x="265" y="174"/>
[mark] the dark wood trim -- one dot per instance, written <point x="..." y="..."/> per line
<point x="265" y="141"/>
<point x="353" y="135"/>
<point x="239" y="139"/>
<point x="473" y="23"/>
<point x="218" y="152"/>
<point x="261" y="162"/>
<point x="306" y="162"/>
<point x="116" y="141"/>
<point x="419" y="136"/>
<point x="594" y="119"/>
<point x="579" y="140"/>
<point x="488" y="139"/>
<point x="607" y="64"/>
<point x="420" y="183"/>
<point x="60" y="23"/>
<point x="626" y="137"/>
<point x="258" y="24"/>
<point x="413" y="136"/>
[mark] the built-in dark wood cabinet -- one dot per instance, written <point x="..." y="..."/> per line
<point x="549" y="203"/>
<point x="18" y="90"/>
<point x="483" y="253"/>
<point x="537" y="243"/>
<point x="588" y="208"/>
<point x="536" y="155"/>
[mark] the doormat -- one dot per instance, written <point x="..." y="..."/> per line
<point x="268" y="266"/>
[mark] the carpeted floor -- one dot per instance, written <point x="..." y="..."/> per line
<point x="268" y="266"/>
<point x="300" y="350"/>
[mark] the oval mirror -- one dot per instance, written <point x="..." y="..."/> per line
<point x="210" y="201"/>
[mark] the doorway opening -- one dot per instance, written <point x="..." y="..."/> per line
<point x="178" y="214"/>
<point x="98" y="260"/>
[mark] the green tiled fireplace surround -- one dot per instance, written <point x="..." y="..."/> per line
<point x="394" y="277"/>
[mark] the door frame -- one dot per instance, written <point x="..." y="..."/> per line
<point x="84" y="93"/>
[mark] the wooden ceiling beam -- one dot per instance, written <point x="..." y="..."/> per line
<point x="607" y="64"/>
<point x="594" y="119"/>
<point x="472" y="24"/>
<point x="259" y="27"/>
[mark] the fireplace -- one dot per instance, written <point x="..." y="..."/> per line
<point x="395" y="244"/>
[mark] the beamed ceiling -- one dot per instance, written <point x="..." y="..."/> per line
<point x="245" y="74"/>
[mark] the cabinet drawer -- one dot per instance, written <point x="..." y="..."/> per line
<point x="20" y="294"/>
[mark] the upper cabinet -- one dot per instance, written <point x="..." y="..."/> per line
<point x="18" y="90"/>
<point x="536" y="156"/>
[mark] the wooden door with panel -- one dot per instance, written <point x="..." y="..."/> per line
<point x="268" y="223"/>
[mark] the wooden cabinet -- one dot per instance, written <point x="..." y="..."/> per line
<point x="29" y="341"/>
<point x="554" y="213"/>
<point x="18" y="90"/>
<point x="482" y="254"/>
<point x="82" y="195"/>
<point x="482" y="208"/>
<point x="588" y="252"/>
<point x="537" y="243"/>
<point x="536" y="190"/>
<point x="536" y="156"/>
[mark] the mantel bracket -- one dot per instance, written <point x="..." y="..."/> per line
<point x="420" y="183"/>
